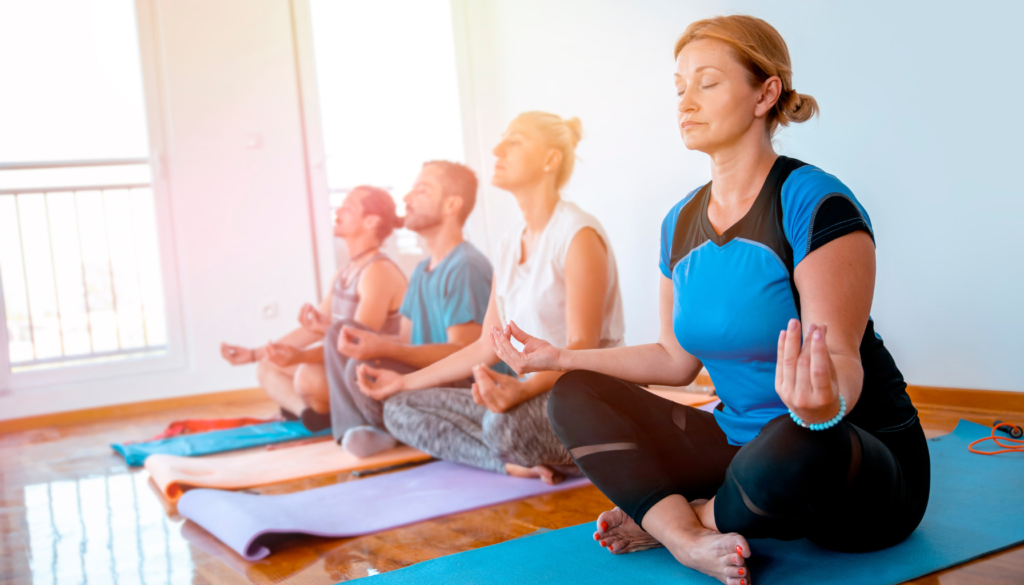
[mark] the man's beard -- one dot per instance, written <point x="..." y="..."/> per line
<point x="419" y="222"/>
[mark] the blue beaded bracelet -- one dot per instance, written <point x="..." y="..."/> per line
<point x="825" y="425"/>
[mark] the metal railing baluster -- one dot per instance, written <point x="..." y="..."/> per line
<point x="24" y="276"/>
<point x="53" y="271"/>
<point x="110" y="267"/>
<point x="85" y="282"/>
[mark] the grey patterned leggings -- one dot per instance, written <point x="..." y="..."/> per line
<point x="446" y="423"/>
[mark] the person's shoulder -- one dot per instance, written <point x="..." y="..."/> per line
<point x="383" y="267"/>
<point x="812" y="183"/>
<point x="471" y="255"/>
<point x="574" y="218"/>
<point x="420" y="269"/>
<point x="673" y="213"/>
<point x="466" y="259"/>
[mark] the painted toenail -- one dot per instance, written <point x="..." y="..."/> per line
<point x="739" y="549"/>
<point x="597" y="536"/>
<point x="603" y="543"/>
<point x="604" y="526"/>
<point x="741" y="571"/>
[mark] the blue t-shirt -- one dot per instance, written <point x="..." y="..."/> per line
<point x="735" y="292"/>
<point x="456" y="291"/>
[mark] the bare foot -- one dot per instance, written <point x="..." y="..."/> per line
<point x="617" y="532"/>
<point x="718" y="555"/>
<point x="722" y="556"/>
<point x="542" y="472"/>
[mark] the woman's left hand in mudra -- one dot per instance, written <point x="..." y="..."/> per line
<point x="495" y="391"/>
<point x="537" y="355"/>
<point x="804" y="376"/>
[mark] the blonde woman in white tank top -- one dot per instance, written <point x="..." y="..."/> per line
<point x="555" y="272"/>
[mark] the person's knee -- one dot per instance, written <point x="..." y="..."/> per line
<point x="568" y="397"/>
<point x="331" y="337"/>
<point x="265" y="370"/>
<point x="571" y="389"/>
<point x="397" y="413"/>
<point x="311" y="387"/>
<point x="785" y="455"/>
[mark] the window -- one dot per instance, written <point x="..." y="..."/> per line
<point x="80" y="266"/>
<point x="389" y="97"/>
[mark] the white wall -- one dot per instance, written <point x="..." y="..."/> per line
<point x="919" y="118"/>
<point x="239" y="216"/>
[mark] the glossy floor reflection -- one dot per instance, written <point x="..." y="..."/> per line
<point x="72" y="512"/>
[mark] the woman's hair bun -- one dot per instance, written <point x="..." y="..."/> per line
<point x="576" y="127"/>
<point x="797" y="107"/>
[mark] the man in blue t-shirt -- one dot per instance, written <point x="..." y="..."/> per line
<point x="442" y="312"/>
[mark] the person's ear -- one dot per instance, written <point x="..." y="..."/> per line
<point x="452" y="206"/>
<point x="370" y="222"/>
<point x="552" y="160"/>
<point x="771" y="89"/>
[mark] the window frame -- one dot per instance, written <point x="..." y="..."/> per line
<point x="175" y="357"/>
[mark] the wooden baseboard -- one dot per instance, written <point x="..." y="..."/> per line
<point x="87" y="415"/>
<point x="962" y="399"/>
<point x="931" y="397"/>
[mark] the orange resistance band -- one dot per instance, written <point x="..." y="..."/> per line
<point x="1010" y="445"/>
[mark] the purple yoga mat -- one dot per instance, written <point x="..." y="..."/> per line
<point x="245" y="521"/>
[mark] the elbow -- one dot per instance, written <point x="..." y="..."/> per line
<point x="583" y="341"/>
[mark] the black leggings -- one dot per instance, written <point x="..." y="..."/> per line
<point x="843" y="488"/>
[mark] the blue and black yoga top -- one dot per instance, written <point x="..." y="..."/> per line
<point x="734" y="293"/>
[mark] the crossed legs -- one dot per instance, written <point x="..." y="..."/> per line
<point x="844" y="488"/>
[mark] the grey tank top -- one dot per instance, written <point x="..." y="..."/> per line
<point x="345" y="300"/>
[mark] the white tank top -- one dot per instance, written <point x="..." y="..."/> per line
<point x="533" y="293"/>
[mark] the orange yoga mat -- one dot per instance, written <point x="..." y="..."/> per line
<point x="173" y="474"/>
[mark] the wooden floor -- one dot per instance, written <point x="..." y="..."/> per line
<point x="72" y="512"/>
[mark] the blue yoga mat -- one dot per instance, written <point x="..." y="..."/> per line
<point x="216" y="441"/>
<point x="976" y="508"/>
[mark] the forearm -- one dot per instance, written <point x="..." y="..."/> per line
<point x="417" y="356"/>
<point x="456" y="366"/>
<point x="850" y="376"/>
<point x="312" y="355"/>
<point x="641" y="364"/>
<point x="300" y="338"/>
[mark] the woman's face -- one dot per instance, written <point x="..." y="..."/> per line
<point x="717" y="104"/>
<point x="522" y="155"/>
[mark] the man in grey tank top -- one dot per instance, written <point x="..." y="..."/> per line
<point x="291" y="369"/>
<point x="442" y="312"/>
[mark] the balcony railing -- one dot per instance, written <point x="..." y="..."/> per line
<point x="80" y="269"/>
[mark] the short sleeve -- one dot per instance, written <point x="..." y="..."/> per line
<point x="818" y="208"/>
<point x="468" y="290"/>
<point x="668" y="231"/>
<point x="411" y="297"/>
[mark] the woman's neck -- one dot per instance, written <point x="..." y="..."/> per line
<point x="739" y="170"/>
<point x="537" y="202"/>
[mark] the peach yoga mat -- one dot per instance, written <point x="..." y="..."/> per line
<point x="173" y="474"/>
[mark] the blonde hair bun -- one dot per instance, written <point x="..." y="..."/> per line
<point x="576" y="127"/>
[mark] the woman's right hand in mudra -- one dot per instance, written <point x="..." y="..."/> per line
<point x="537" y="355"/>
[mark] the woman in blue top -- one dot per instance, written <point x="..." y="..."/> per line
<point x="816" y="436"/>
